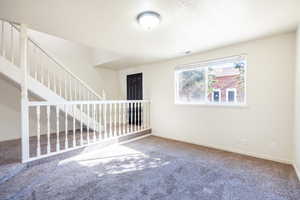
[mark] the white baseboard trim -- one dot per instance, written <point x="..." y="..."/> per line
<point x="134" y="139"/>
<point x="297" y="171"/>
<point x="261" y="156"/>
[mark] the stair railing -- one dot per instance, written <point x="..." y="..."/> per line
<point x="66" y="128"/>
<point x="36" y="63"/>
<point x="43" y="67"/>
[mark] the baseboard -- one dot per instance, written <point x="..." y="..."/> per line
<point x="260" y="156"/>
<point x="134" y="139"/>
<point x="297" y="171"/>
<point x="88" y="148"/>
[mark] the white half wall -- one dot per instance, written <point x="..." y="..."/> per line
<point x="263" y="129"/>
<point x="297" y="108"/>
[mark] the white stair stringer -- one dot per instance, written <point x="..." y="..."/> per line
<point x="14" y="73"/>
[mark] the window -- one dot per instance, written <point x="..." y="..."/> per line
<point x="191" y="85"/>
<point x="216" y="95"/>
<point x="219" y="81"/>
<point x="231" y="95"/>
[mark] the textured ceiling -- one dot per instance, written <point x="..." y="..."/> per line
<point x="194" y="25"/>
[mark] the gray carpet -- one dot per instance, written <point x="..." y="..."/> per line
<point x="155" y="168"/>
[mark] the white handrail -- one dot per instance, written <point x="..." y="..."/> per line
<point x="47" y="103"/>
<point x="64" y="68"/>
<point x="74" y="124"/>
<point x="52" y="58"/>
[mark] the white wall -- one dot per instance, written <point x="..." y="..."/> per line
<point x="264" y="128"/>
<point x="297" y="107"/>
<point x="9" y="110"/>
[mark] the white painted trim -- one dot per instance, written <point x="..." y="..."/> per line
<point x="82" y="146"/>
<point x="196" y="66"/>
<point x="134" y="139"/>
<point x="297" y="171"/>
<point x="217" y="105"/>
<point x="212" y="61"/>
<point x="260" y="156"/>
<point x="53" y="103"/>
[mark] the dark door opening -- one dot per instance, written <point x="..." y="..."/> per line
<point x="135" y="92"/>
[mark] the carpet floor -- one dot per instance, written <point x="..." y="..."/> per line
<point x="155" y="168"/>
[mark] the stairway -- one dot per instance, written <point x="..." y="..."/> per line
<point x="48" y="79"/>
<point x="68" y="115"/>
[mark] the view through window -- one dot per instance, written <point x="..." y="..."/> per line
<point x="219" y="81"/>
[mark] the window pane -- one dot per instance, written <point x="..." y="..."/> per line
<point x="231" y="96"/>
<point x="191" y="86"/>
<point x="219" y="81"/>
<point x="227" y="76"/>
<point x="216" y="96"/>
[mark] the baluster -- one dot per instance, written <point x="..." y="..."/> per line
<point x="35" y="63"/>
<point x="78" y="92"/>
<point x="54" y="83"/>
<point x="94" y="122"/>
<point x="82" y="93"/>
<point x="127" y="116"/>
<point x="48" y="130"/>
<point x="66" y="127"/>
<point x="60" y="82"/>
<point x="120" y="120"/>
<point x="115" y="119"/>
<point x="38" y="119"/>
<point x="124" y="118"/>
<point x="97" y="121"/>
<point x="135" y="116"/>
<point x="145" y="114"/>
<point x="110" y="119"/>
<point x="71" y="97"/>
<point x="100" y="122"/>
<point x="42" y="69"/>
<point x="12" y="43"/>
<point x="48" y="79"/>
<point x="142" y="115"/>
<point x="130" y="117"/>
<point x="138" y="116"/>
<point x="74" y="127"/>
<point x="57" y="129"/>
<point x="65" y="90"/>
<point x="148" y="116"/>
<point x="105" y="123"/>
<point x="75" y="92"/>
<point x="88" y="123"/>
<point x="81" y="125"/>
<point x="2" y="39"/>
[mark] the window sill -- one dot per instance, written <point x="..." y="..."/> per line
<point x="213" y="105"/>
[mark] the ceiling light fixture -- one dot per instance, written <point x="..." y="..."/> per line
<point x="187" y="52"/>
<point x="148" y="19"/>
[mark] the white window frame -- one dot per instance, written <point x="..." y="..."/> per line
<point x="220" y="95"/>
<point x="206" y="64"/>
<point x="235" y="95"/>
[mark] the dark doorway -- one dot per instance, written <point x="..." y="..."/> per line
<point x="135" y="87"/>
<point x="135" y="92"/>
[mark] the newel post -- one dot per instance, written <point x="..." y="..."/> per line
<point x="24" y="94"/>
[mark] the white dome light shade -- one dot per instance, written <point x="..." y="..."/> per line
<point x="148" y="19"/>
